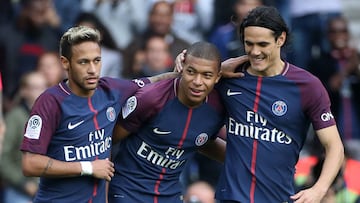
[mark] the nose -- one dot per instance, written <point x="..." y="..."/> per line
<point x="255" y="50"/>
<point x="197" y="79"/>
<point x="92" y="67"/>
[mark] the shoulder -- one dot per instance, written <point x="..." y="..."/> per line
<point x="156" y="92"/>
<point x="215" y="101"/>
<point x="150" y="98"/>
<point x="301" y="76"/>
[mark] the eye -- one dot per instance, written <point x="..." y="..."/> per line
<point x="98" y="60"/>
<point x="190" y="71"/>
<point x="208" y="75"/>
<point x="83" y="62"/>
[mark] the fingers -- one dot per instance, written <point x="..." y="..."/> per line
<point x="103" y="169"/>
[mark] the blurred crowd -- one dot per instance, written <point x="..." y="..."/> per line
<point x="142" y="38"/>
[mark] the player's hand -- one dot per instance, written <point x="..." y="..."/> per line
<point x="103" y="169"/>
<point x="310" y="195"/>
<point x="229" y="66"/>
<point x="179" y="60"/>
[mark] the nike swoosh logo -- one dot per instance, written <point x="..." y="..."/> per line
<point x="157" y="131"/>
<point x="230" y="93"/>
<point x="72" y="126"/>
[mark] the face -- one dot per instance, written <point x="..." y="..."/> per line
<point x="242" y="7"/>
<point x="338" y="34"/>
<point x="197" y="80"/>
<point x="157" y="54"/>
<point x="263" y="51"/>
<point x="37" y="12"/>
<point x="161" y="18"/>
<point x="83" y="68"/>
<point x="50" y="65"/>
<point x="36" y="84"/>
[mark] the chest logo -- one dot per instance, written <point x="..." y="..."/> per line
<point x="72" y="126"/>
<point x="279" y="108"/>
<point x="159" y="132"/>
<point x="230" y="93"/>
<point x="201" y="139"/>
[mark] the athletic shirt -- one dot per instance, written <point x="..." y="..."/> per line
<point x="165" y="134"/>
<point x="70" y="128"/>
<point x="267" y="126"/>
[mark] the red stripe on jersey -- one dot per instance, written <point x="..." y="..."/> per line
<point x="95" y="113"/>
<point x="255" y="144"/>
<point x="157" y="185"/>
<point x="181" y="142"/>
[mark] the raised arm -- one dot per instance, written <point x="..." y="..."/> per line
<point x="228" y="66"/>
<point x="43" y="166"/>
<point x="163" y="76"/>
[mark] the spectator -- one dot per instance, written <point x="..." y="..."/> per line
<point x="199" y="192"/>
<point x="23" y="41"/>
<point x="225" y="37"/>
<point x="123" y="18"/>
<point x="160" y="21"/>
<point x="49" y="64"/>
<point x="192" y="19"/>
<point x="157" y="58"/>
<point x="112" y="60"/>
<point x="339" y="71"/>
<point x="308" y="22"/>
<point x="18" y="188"/>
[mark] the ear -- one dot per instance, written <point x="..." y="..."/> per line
<point x="218" y="77"/>
<point x="65" y="62"/>
<point x="281" y="39"/>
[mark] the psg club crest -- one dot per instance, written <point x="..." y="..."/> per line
<point x="279" y="108"/>
<point x="201" y="139"/>
<point x="110" y="114"/>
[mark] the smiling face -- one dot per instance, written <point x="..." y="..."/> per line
<point x="197" y="80"/>
<point x="263" y="51"/>
<point x="83" y="68"/>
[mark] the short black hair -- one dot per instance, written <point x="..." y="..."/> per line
<point x="205" y="50"/>
<point x="267" y="17"/>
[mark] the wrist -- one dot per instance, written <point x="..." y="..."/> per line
<point x="86" y="168"/>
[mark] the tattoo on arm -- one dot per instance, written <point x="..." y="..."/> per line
<point x="48" y="165"/>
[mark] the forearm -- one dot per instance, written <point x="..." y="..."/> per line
<point x="39" y="165"/>
<point x="334" y="159"/>
<point x="163" y="76"/>
<point x="215" y="149"/>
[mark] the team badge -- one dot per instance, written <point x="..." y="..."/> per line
<point x="129" y="106"/>
<point x="33" y="127"/>
<point x="279" y="108"/>
<point x="110" y="114"/>
<point x="201" y="139"/>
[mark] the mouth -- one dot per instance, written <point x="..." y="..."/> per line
<point x="196" y="92"/>
<point x="92" y="80"/>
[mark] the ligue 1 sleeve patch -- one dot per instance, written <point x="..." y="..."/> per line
<point x="33" y="127"/>
<point x="129" y="107"/>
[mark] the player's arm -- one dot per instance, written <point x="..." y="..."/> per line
<point x="119" y="133"/>
<point x="214" y="149"/>
<point x="228" y="67"/>
<point x="43" y="166"/>
<point x="163" y="76"/>
<point x="334" y="157"/>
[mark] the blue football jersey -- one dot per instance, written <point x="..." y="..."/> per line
<point x="70" y="128"/>
<point x="165" y="134"/>
<point x="266" y="128"/>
